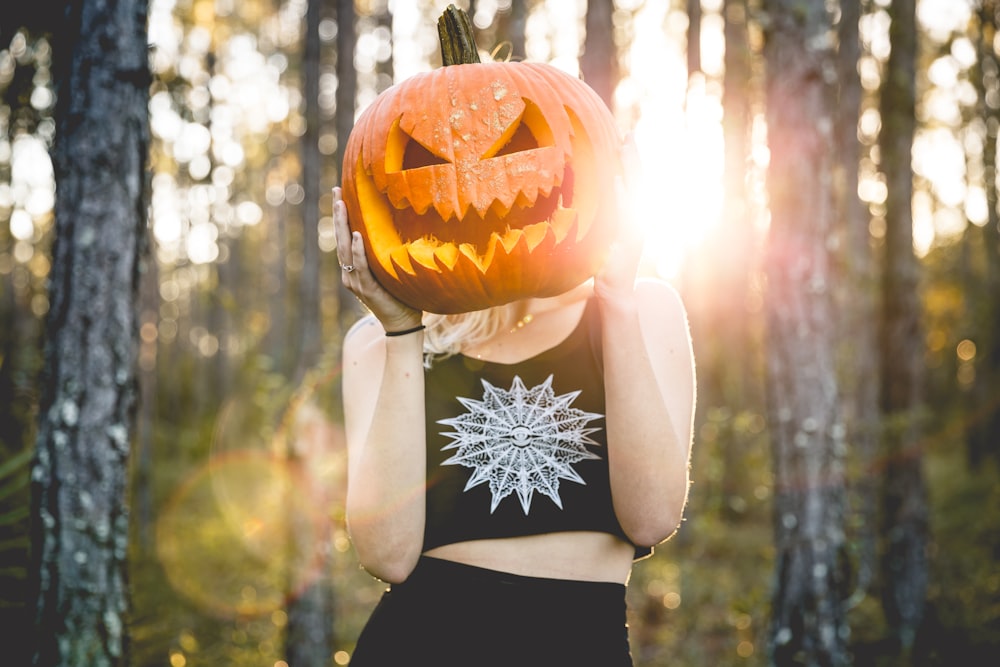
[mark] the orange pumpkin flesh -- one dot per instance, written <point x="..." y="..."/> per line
<point x="479" y="184"/>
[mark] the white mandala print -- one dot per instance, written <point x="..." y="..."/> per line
<point x="521" y="440"/>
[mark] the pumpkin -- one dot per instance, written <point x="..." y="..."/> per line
<point x="475" y="185"/>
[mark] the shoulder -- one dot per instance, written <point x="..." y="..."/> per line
<point x="364" y="344"/>
<point x="363" y="333"/>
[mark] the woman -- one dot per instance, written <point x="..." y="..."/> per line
<point x="506" y="467"/>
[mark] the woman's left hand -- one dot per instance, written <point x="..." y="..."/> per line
<point x="616" y="280"/>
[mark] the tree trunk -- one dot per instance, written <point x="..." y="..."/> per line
<point x="309" y="631"/>
<point x="694" y="37"/>
<point x="905" y="512"/>
<point x="726" y="308"/>
<point x="276" y="285"/>
<point x="347" y="84"/>
<point x="80" y="531"/>
<point x="220" y="295"/>
<point x="510" y="27"/>
<point x="142" y="472"/>
<point x="308" y="319"/>
<point x="856" y="304"/>
<point x="599" y="63"/>
<point x="808" y="624"/>
<point x="984" y="427"/>
<point x="384" y="68"/>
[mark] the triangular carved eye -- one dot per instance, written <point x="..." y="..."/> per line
<point x="528" y="132"/>
<point x="521" y="140"/>
<point x="404" y="152"/>
<point x="416" y="156"/>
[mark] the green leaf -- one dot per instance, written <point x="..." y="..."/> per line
<point x="13" y="516"/>
<point x="14" y="463"/>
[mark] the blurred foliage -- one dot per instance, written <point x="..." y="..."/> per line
<point x="701" y="599"/>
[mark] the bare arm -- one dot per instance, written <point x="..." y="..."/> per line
<point x="384" y="420"/>
<point x="649" y="394"/>
<point x="649" y="384"/>
<point x="383" y="387"/>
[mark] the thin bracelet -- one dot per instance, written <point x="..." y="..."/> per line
<point x="415" y="329"/>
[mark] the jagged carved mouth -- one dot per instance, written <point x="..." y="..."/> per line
<point x="403" y="236"/>
<point x="477" y="228"/>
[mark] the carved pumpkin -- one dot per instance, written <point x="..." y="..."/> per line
<point x="474" y="185"/>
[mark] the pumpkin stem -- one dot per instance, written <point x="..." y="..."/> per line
<point x="458" y="45"/>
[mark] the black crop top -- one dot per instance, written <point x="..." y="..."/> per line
<point x="519" y="449"/>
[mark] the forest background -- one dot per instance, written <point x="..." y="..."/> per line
<point x="845" y="507"/>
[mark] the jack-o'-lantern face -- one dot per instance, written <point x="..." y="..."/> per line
<point x="478" y="184"/>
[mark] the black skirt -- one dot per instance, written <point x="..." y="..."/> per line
<point x="448" y="614"/>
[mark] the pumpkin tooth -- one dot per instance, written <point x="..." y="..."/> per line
<point x="447" y="255"/>
<point x="531" y="193"/>
<point x="482" y="204"/>
<point x="418" y="187"/>
<point x="506" y="199"/>
<point x="562" y="221"/>
<point x="535" y="234"/>
<point x="422" y="251"/>
<point x="400" y="258"/>
<point x="470" y="254"/>
<point x="482" y="262"/>
<point x="444" y="194"/>
<point x="461" y="212"/>
<point x="524" y="202"/>
<point x="443" y="209"/>
<point x="500" y="208"/>
<point x="555" y="180"/>
<point x="509" y="239"/>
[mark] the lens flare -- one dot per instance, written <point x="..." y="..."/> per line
<point x="241" y="552"/>
<point x="256" y="524"/>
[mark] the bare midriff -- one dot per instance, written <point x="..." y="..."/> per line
<point x="581" y="556"/>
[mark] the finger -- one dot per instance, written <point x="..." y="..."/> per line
<point x="362" y="272"/>
<point x="342" y="232"/>
<point x="339" y="221"/>
<point x="358" y="256"/>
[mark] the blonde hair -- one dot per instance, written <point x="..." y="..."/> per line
<point x="447" y="335"/>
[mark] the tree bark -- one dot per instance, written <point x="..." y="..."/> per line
<point x="385" y="68"/>
<point x="309" y="322"/>
<point x="808" y="625"/>
<point x="309" y="631"/>
<point x="729" y="356"/>
<point x="599" y="62"/>
<point x="80" y="530"/>
<point x="905" y="512"/>
<point x="347" y="85"/>
<point x="984" y="428"/>
<point x="694" y="37"/>
<point x="857" y="305"/>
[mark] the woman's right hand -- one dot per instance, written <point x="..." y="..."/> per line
<point x="393" y="314"/>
